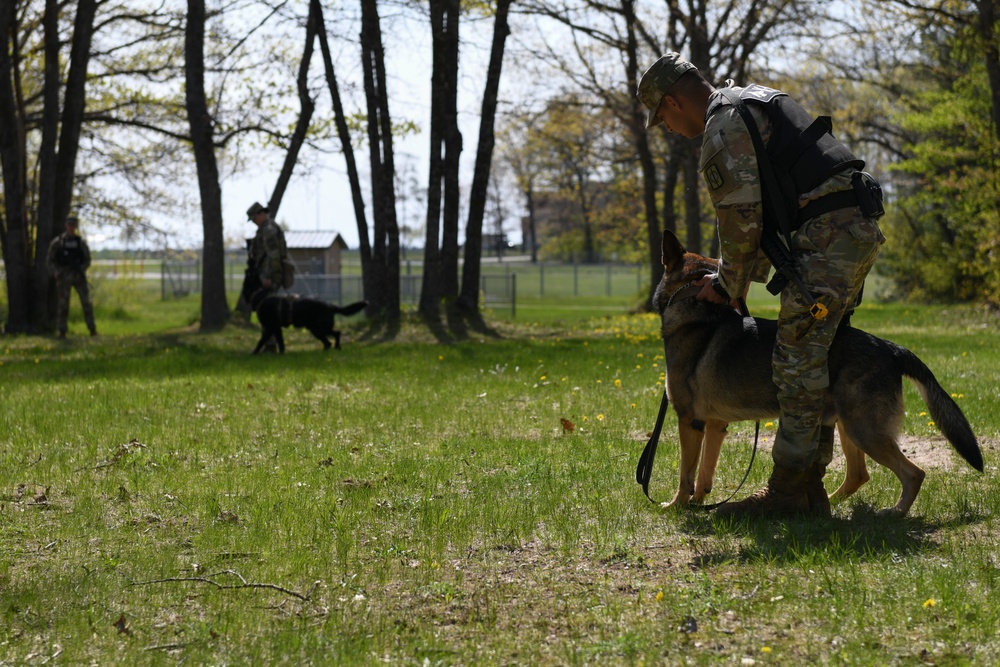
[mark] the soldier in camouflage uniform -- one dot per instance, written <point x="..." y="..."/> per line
<point x="833" y="253"/>
<point x="68" y="260"/>
<point x="267" y="255"/>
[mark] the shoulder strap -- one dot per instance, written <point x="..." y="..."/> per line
<point x="769" y="180"/>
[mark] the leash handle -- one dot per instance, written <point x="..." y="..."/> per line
<point x="644" y="470"/>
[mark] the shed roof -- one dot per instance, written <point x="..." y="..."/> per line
<point x="319" y="239"/>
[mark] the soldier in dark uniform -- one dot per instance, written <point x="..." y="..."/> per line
<point x="68" y="260"/>
<point x="268" y="253"/>
<point x="833" y="244"/>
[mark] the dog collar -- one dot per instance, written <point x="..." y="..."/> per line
<point x="691" y="289"/>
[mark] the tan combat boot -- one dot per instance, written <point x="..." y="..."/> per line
<point x="785" y="495"/>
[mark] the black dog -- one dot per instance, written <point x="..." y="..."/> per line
<point x="275" y="312"/>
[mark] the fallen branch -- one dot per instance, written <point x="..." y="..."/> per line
<point x="243" y="584"/>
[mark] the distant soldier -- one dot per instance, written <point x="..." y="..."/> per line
<point x="68" y="261"/>
<point x="268" y="253"/>
<point x="267" y="250"/>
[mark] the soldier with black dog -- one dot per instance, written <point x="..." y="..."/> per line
<point x="267" y="256"/>
<point x="68" y="260"/>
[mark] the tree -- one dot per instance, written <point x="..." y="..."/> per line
<point x="28" y="285"/>
<point x="440" y="279"/>
<point x="214" y="308"/>
<point x="384" y="296"/>
<point x="600" y="57"/>
<point x="368" y="269"/>
<point x="469" y="298"/>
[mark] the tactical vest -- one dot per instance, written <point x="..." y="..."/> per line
<point x="70" y="252"/>
<point x="802" y="149"/>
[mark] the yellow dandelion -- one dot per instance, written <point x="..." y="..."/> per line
<point x="38" y="361"/>
<point x="618" y="383"/>
<point x="765" y="649"/>
<point x="954" y="395"/>
<point x="600" y="417"/>
<point x="640" y="355"/>
<point x="923" y="414"/>
<point x="930" y="423"/>
<point x="930" y="602"/>
<point x="599" y="381"/>
<point x="542" y="379"/>
<point x="659" y="596"/>
<point x="585" y="418"/>
<point x="440" y="357"/>
<point x="768" y="424"/>
<point x="633" y="405"/>
<point x="961" y="395"/>
<point x="637" y="367"/>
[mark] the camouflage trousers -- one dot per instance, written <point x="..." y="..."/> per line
<point x="833" y="254"/>
<point x="65" y="283"/>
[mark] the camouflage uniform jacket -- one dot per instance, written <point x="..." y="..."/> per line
<point x="729" y="167"/>
<point x="67" y="252"/>
<point x="267" y="252"/>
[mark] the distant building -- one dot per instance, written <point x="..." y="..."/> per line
<point x="315" y="253"/>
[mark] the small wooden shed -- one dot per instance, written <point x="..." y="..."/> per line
<point x="315" y="253"/>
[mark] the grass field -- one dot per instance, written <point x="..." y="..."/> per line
<point x="166" y="498"/>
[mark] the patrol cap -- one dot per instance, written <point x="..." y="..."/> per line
<point x="657" y="80"/>
<point x="254" y="209"/>
<point x="71" y="221"/>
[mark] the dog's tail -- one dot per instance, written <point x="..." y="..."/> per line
<point x="945" y="412"/>
<point x="350" y="309"/>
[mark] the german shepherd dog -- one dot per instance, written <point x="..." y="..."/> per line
<point x="719" y="371"/>
<point x="275" y="312"/>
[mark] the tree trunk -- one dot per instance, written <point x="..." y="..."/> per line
<point x="14" y="229"/>
<point x="452" y="153"/>
<point x="344" y="133"/>
<point x="469" y="298"/>
<point x="987" y="11"/>
<point x="214" y="308"/>
<point x="637" y="128"/>
<point x="430" y="289"/>
<point x="57" y="172"/>
<point x="73" y="106"/>
<point x="385" y="242"/>
<point x="306" y="107"/>
<point x="529" y="195"/>
<point x="692" y="200"/>
<point x="43" y="299"/>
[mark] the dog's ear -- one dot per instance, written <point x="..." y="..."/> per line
<point x="671" y="249"/>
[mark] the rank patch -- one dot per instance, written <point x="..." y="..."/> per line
<point x="714" y="177"/>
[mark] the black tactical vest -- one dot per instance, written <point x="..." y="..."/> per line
<point x="803" y="150"/>
<point x="70" y="252"/>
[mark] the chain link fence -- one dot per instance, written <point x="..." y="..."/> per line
<point x="499" y="285"/>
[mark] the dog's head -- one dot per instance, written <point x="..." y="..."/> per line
<point x="679" y="269"/>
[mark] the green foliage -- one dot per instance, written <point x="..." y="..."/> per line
<point x="944" y="227"/>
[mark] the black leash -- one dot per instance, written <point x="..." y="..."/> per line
<point x="644" y="470"/>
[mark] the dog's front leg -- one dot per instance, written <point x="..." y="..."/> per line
<point x="690" y="438"/>
<point x="715" y="433"/>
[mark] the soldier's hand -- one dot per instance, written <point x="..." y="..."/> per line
<point x="266" y="282"/>
<point x="707" y="292"/>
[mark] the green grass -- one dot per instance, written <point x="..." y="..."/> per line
<point x="165" y="497"/>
